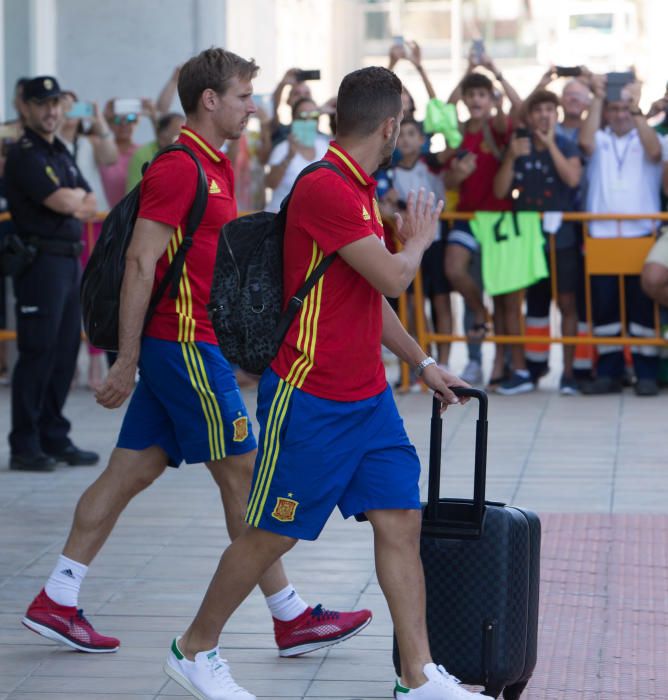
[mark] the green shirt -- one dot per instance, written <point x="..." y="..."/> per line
<point x="513" y="257"/>
<point x="144" y="154"/>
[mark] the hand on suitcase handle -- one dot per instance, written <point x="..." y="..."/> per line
<point x="465" y="392"/>
<point x="445" y="385"/>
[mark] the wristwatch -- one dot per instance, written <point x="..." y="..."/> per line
<point x="636" y="112"/>
<point x="423" y="365"/>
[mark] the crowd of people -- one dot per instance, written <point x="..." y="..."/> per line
<point x="550" y="153"/>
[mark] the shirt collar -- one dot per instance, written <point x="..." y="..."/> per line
<point x="351" y="167"/>
<point x="41" y="141"/>
<point x="192" y="137"/>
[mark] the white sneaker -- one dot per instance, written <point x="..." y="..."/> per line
<point x="472" y="373"/>
<point x="207" y="677"/>
<point x="440" y="685"/>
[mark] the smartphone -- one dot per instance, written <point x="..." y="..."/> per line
<point x="81" y="110"/>
<point x="461" y="153"/>
<point x="478" y="50"/>
<point x="522" y="132"/>
<point x="615" y="83"/>
<point x="127" y="105"/>
<point x="568" y="71"/>
<point x="305" y="130"/>
<point x="303" y="75"/>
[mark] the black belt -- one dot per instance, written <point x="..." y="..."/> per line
<point x="68" y="249"/>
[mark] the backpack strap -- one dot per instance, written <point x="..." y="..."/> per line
<point x="175" y="269"/>
<point x="297" y="300"/>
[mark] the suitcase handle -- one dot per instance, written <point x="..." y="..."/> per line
<point x="435" y="448"/>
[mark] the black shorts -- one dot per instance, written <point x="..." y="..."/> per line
<point x="568" y="269"/>
<point x="434" y="280"/>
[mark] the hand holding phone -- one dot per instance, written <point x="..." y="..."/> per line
<point x="477" y="51"/>
<point x="81" y="110"/>
<point x="568" y="71"/>
<point x="303" y="75"/>
<point x="304" y="131"/>
<point x="127" y="106"/>
<point x="520" y="144"/>
<point x="615" y="83"/>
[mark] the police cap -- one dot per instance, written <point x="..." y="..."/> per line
<point x="42" y="88"/>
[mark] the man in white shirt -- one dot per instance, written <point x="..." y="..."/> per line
<point x="624" y="176"/>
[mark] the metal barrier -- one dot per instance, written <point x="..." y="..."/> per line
<point x="603" y="256"/>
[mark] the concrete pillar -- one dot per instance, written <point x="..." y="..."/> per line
<point x="42" y="18"/>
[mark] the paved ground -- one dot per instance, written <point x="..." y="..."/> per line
<point x="594" y="468"/>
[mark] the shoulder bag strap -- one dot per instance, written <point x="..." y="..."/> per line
<point x="175" y="269"/>
<point x="297" y="300"/>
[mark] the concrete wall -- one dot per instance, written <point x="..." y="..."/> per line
<point x="124" y="48"/>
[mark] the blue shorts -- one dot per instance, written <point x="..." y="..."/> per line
<point x="188" y="402"/>
<point x="461" y="234"/>
<point x="316" y="454"/>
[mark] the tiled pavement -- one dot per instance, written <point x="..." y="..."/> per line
<point x="596" y="469"/>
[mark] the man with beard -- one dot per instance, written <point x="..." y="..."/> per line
<point x="187" y="405"/>
<point x="48" y="199"/>
<point x="330" y="431"/>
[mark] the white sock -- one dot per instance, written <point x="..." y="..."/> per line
<point x="65" y="581"/>
<point x="286" y="604"/>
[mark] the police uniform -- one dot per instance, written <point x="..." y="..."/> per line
<point x="48" y="315"/>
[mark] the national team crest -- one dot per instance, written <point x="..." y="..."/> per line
<point x="284" y="510"/>
<point x="240" y="429"/>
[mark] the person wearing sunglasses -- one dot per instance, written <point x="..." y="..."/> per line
<point x="305" y="145"/>
<point x="123" y="126"/>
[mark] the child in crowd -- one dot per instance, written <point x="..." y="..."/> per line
<point x="411" y="173"/>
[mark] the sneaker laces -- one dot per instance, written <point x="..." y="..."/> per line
<point x="324" y="614"/>
<point x="451" y="682"/>
<point x="220" y="672"/>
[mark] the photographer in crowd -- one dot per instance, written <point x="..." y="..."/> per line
<point x="624" y="176"/>
<point x="543" y="169"/>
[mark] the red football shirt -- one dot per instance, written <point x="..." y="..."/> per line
<point x="332" y="349"/>
<point x="167" y="194"/>
<point x="476" y="193"/>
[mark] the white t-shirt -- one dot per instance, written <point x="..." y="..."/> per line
<point x="622" y="180"/>
<point x="296" y="165"/>
<point x="420" y="175"/>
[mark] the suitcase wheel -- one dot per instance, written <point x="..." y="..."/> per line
<point x="493" y="691"/>
<point x="513" y="692"/>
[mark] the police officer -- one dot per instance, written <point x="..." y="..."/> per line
<point x="48" y="199"/>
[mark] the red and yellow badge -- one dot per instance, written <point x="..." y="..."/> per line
<point x="240" y="429"/>
<point x="284" y="510"/>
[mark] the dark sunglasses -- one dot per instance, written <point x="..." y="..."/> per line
<point x="125" y="118"/>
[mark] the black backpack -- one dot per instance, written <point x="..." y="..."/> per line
<point x="103" y="276"/>
<point x="246" y="303"/>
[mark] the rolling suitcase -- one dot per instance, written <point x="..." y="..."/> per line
<point x="482" y="570"/>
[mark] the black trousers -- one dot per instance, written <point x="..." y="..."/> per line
<point x="48" y="327"/>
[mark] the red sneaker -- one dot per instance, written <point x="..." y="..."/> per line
<point x="317" y="628"/>
<point x="66" y="625"/>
